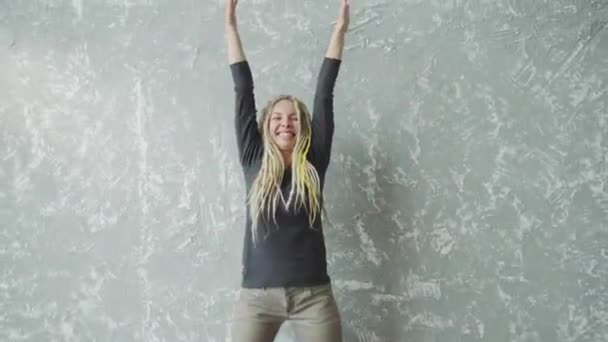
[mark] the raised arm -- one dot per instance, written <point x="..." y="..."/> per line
<point x="233" y="40"/>
<point x="249" y="142"/>
<point x="323" y="107"/>
<point x="336" y="43"/>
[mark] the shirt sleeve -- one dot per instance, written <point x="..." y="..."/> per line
<point x="249" y="141"/>
<point x="323" y="113"/>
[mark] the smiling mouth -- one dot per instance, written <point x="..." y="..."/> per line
<point x="286" y="134"/>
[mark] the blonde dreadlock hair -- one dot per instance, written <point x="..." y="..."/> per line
<point x="265" y="194"/>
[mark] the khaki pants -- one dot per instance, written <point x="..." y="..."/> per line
<point x="311" y="311"/>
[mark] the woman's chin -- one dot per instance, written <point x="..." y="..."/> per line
<point x="284" y="145"/>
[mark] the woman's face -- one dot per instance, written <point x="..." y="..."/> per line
<point x="284" y="125"/>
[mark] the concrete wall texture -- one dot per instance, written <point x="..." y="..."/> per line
<point x="468" y="188"/>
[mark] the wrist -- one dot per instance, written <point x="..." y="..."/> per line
<point x="340" y="30"/>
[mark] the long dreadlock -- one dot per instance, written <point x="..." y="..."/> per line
<point x="265" y="194"/>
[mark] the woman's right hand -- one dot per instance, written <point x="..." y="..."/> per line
<point x="231" y="13"/>
<point x="235" y="48"/>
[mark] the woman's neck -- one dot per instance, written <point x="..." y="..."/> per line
<point x="286" y="158"/>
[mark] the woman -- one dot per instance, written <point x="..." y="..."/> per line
<point x="284" y="160"/>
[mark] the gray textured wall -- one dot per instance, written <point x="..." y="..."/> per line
<point x="468" y="186"/>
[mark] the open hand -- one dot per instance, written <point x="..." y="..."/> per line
<point x="231" y="12"/>
<point x="344" y="16"/>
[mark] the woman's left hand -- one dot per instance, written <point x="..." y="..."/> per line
<point x="343" y="18"/>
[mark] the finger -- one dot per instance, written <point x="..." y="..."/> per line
<point x="230" y="7"/>
<point x="344" y="5"/>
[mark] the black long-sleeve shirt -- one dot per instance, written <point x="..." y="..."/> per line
<point x="292" y="254"/>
